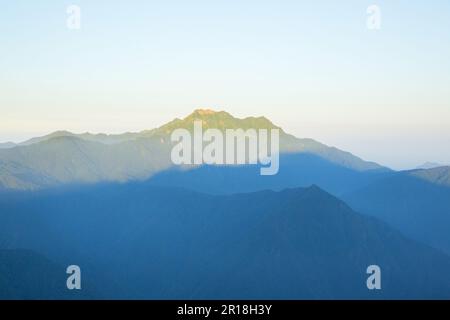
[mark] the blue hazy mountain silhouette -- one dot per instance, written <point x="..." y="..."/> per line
<point x="135" y="240"/>
<point x="215" y="231"/>
<point x="416" y="202"/>
<point x="296" y="170"/>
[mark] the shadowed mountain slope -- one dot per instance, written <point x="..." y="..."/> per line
<point x="137" y="241"/>
<point x="26" y="275"/>
<point x="416" y="202"/>
<point x="296" y="170"/>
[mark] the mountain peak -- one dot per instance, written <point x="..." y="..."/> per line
<point x="215" y="119"/>
<point x="204" y="112"/>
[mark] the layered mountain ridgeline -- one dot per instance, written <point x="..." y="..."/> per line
<point x="64" y="157"/>
<point x="296" y="169"/>
<point x="63" y="160"/>
<point x="26" y="275"/>
<point x="138" y="241"/>
<point x="416" y="202"/>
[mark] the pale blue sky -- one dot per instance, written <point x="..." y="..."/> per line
<point x="312" y="67"/>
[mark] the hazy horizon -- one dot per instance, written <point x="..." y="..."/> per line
<point x="314" y="69"/>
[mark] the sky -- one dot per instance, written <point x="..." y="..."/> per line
<point x="312" y="67"/>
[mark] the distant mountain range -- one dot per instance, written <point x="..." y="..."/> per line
<point x="143" y="242"/>
<point x="430" y="165"/>
<point x="141" y="227"/>
<point x="416" y="202"/>
<point x="63" y="157"/>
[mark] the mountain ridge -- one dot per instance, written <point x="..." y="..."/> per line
<point x="299" y="243"/>
<point x="416" y="202"/>
<point x="128" y="156"/>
